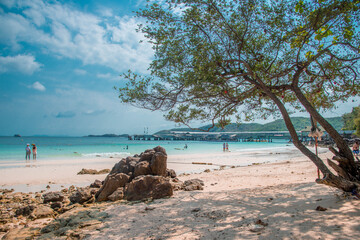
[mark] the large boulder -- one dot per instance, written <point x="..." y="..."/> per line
<point x="144" y="187"/>
<point x="158" y="164"/>
<point x="147" y="155"/>
<point x="160" y="149"/>
<point x="53" y="197"/>
<point x="131" y="163"/>
<point x="81" y="195"/>
<point x="111" y="183"/>
<point x="142" y="168"/>
<point x="118" y="194"/>
<point x="120" y="167"/>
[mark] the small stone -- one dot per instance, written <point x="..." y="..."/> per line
<point x="320" y="208"/>
<point x="196" y="210"/>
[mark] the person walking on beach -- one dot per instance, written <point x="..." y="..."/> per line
<point x="34" y="150"/>
<point x="224" y="146"/>
<point x="227" y="147"/>
<point x="356" y="148"/>
<point x="28" y="151"/>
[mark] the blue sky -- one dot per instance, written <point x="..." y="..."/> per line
<point x="59" y="62"/>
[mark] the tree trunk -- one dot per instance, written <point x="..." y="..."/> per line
<point x="298" y="144"/>
<point x="344" y="150"/>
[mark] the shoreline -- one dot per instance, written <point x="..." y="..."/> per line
<point x="35" y="176"/>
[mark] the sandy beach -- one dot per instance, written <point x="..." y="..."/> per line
<point x="281" y="196"/>
<point x="275" y="197"/>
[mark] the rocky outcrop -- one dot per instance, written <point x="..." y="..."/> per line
<point x="142" y="168"/>
<point x="148" y="186"/>
<point x="111" y="183"/>
<point x="158" y="164"/>
<point x="118" y="194"/>
<point x="81" y="195"/>
<point x="138" y="177"/>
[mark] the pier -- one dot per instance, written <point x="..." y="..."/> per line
<point x="215" y="136"/>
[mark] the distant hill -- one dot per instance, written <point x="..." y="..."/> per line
<point x="277" y="125"/>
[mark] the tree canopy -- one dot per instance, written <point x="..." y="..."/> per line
<point x="212" y="56"/>
<point x="250" y="59"/>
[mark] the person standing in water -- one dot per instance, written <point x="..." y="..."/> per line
<point x="34" y="150"/>
<point x="28" y="151"/>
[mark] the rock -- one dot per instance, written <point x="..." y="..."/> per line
<point x="104" y="171"/>
<point x="131" y="163"/>
<point x="53" y="197"/>
<point x="142" y="168"/>
<point x="118" y="194"/>
<point x="158" y="164"/>
<point x="25" y="211"/>
<point x="193" y="184"/>
<point x="160" y="149"/>
<point x="177" y="184"/>
<point x="93" y="171"/>
<point x="81" y="195"/>
<point x="147" y="155"/>
<point x="112" y="182"/>
<point x="144" y="187"/>
<point x="320" y="208"/>
<point x="21" y="233"/>
<point x="196" y="210"/>
<point x="96" y="184"/>
<point x="42" y="211"/>
<point x="171" y="173"/>
<point x="120" y="167"/>
<point x="56" y="205"/>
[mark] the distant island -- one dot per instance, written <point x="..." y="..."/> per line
<point x="300" y="123"/>
<point x="110" y="135"/>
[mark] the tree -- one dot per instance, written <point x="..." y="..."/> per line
<point x="352" y="120"/>
<point x="253" y="58"/>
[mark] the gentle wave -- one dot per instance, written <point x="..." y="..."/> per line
<point x="107" y="154"/>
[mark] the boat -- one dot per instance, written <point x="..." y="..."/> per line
<point x="17" y="135"/>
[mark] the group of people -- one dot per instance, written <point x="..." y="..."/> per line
<point x="225" y="147"/>
<point x="28" y="151"/>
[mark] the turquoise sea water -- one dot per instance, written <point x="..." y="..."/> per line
<point x="12" y="149"/>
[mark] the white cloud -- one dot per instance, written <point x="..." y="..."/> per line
<point x="21" y="63"/>
<point x="80" y="71"/>
<point x="38" y="86"/>
<point x="93" y="112"/>
<point x="67" y="32"/>
<point x="108" y="76"/>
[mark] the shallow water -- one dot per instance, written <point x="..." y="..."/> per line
<point x="13" y="148"/>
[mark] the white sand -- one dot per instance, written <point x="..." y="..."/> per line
<point x="282" y="195"/>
